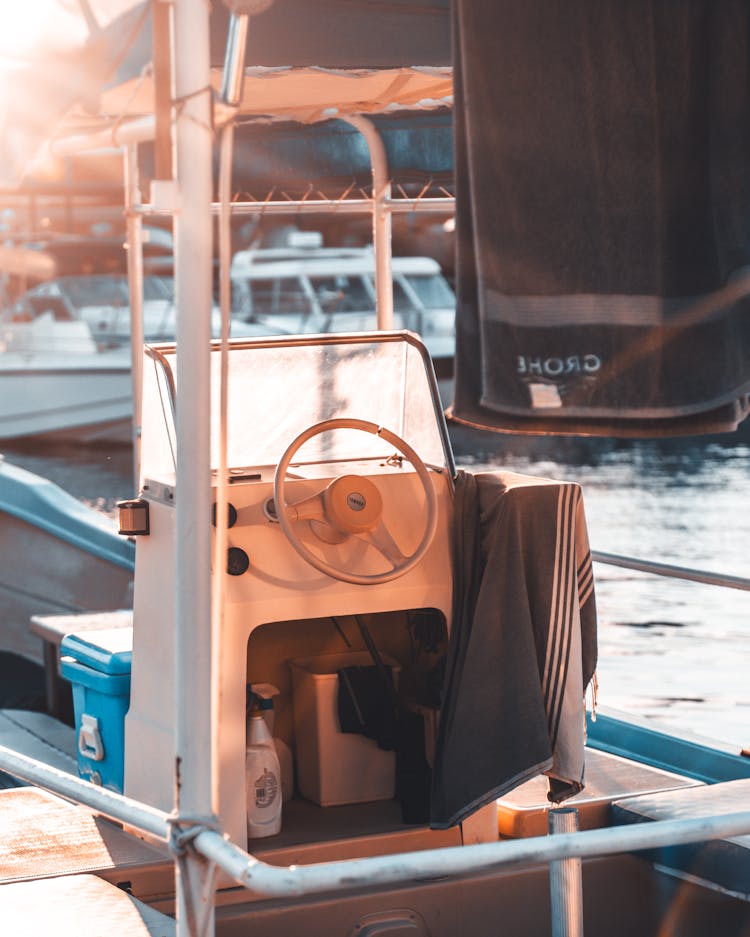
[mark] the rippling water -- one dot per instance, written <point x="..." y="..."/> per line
<point x="670" y="651"/>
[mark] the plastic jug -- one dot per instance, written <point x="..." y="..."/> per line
<point x="265" y="692"/>
<point x="262" y="775"/>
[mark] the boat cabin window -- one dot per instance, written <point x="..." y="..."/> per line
<point x="97" y="291"/>
<point x="40" y="305"/>
<point x="280" y="387"/>
<point x="282" y="296"/>
<point x="401" y="300"/>
<point x="342" y="294"/>
<point x="433" y="291"/>
<point x="158" y="288"/>
<point x="67" y="296"/>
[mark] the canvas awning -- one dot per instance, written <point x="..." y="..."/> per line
<point x="304" y="93"/>
<point x="306" y="62"/>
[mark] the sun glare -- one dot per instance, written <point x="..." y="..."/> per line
<point x="31" y="27"/>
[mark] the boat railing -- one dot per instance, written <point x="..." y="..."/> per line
<point x="199" y="839"/>
<point x="671" y="571"/>
<point x="269" y="880"/>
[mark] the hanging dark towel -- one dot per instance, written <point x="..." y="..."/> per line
<point x="522" y="645"/>
<point x="366" y="704"/>
<point x="602" y="204"/>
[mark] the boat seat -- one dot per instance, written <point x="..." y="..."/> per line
<point x="43" y="836"/>
<point x="721" y="863"/>
<point x="524" y="811"/>
<point x="77" y="906"/>
<point x="40" y="737"/>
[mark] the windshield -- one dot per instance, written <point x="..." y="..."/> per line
<point x="342" y="294"/>
<point x="433" y="291"/>
<point x="282" y="296"/>
<point x="158" y="288"/>
<point x="278" y="388"/>
<point x="112" y="290"/>
<point x="96" y="291"/>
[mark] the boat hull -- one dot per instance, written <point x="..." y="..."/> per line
<point x="42" y="574"/>
<point x="38" y="398"/>
<point x="58" y="557"/>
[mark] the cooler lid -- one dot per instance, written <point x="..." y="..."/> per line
<point x="109" y="650"/>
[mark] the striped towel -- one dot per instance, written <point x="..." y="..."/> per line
<point x="522" y="647"/>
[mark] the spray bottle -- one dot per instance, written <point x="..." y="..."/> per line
<point x="266" y="693"/>
<point x="262" y="773"/>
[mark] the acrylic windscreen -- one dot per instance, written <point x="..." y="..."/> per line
<point x="277" y="390"/>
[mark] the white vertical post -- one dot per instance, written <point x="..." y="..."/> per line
<point x="565" y="881"/>
<point x="135" y="280"/>
<point x="195" y="788"/>
<point x="381" y="219"/>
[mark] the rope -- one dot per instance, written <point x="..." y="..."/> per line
<point x="183" y="829"/>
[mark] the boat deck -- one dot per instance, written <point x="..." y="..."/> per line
<point x="44" y="838"/>
<point x="40" y="737"/>
<point x="48" y="836"/>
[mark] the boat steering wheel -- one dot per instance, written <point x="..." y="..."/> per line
<point x="351" y="505"/>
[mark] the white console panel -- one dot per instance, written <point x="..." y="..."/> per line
<point x="278" y="586"/>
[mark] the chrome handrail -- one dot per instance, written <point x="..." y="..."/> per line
<point x="673" y="572"/>
<point x="424" y="865"/>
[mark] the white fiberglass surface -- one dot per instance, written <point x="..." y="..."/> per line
<point x="278" y="390"/>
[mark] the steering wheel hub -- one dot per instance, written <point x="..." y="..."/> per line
<point x="352" y="504"/>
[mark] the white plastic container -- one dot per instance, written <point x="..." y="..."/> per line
<point x="264" y="695"/>
<point x="262" y="780"/>
<point x="334" y="767"/>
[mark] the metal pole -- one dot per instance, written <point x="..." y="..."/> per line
<point x="231" y="95"/>
<point x="376" y="871"/>
<point x="161" y="44"/>
<point x="565" y="881"/>
<point x="134" y="224"/>
<point x="437" y="205"/>
<point x="137" y="130"/>
<point x="381" y="219"/>
<point x="233" y="75"/>
<point x="113" y="805"/>
<point x="673" y="572"/>
<point x="195" y="758"/>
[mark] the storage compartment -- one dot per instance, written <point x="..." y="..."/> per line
<point x="98" y="665"/>
<point x="334" y="767"/>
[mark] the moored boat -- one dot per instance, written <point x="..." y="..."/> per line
<point x="59" y="557"/>
<point x="64" y="385"/>
<point x="351" y="545"/>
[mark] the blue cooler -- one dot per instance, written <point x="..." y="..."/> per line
<point x="98" y="664"/>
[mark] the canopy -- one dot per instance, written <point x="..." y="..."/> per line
<point x="411" y="108"/>
<point x="306" y="61"/>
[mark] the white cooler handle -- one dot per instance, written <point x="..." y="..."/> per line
<point x="89" y="738"/>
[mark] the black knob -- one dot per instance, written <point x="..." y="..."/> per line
<point x="238" y="562"/>
<point x="231" y="514"/>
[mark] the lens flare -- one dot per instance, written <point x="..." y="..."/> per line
<point x="31" y="29"/>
